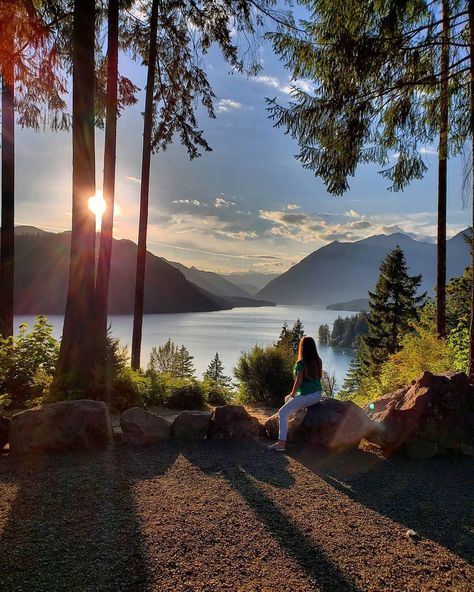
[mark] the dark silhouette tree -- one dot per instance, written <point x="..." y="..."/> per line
<point x="76" y="363"/>
<point x="144" y="190"/>
<point x="113" y="101"/>
<point x="171" y="43"/>
<point x="29" y="61"/>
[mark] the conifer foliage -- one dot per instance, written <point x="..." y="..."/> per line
<point x="393" y="307"/>
<point x="215" y="373"/>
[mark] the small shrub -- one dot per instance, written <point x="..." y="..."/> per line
<point x="217" y="395"/>
<point x="130" y="389"/>
<point x="27" y="364"/>
<point x="185" y="394"/>
<point x="265" y="375"/>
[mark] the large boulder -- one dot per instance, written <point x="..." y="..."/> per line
<point x="272" y="426"/>
<point x="191" y="425"/>
<point x="434" y="415"/>
<point x="141" y="427"/>
<point x="4" y="431"/>
<point x="333" y="424"/>
<point x="233" y="421"/>
<point x="61" y="426"/>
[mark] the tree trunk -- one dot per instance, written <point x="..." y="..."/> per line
<point x="442" y="177"/>
<point x="74" y="369"/>
<point x="144" y="192"/>
<point x="7" y="241"/>
<point x="105" y="250"/>
<point x="471" y="120"/>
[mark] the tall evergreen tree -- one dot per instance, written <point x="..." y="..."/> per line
<point x="386" y="77"/>
<point x="324" y="335"/>
<point x="75" y="365"/>
<point x="31" y="86"/>
<point x="184" y="363"/>
<point x="101" y="289"/>
<point x="172" y="43"/>
<point x="215" y="372"/>
<point x="338" y="332"/>
<point x="393" y="306"/>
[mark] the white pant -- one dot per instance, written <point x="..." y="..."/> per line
<point x="293" y="405"/>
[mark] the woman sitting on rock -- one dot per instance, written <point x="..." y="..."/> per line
<point x="306" y="389"/>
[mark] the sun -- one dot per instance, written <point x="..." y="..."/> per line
<point x="97" y="206"/>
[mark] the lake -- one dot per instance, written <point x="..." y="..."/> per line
<point x="228" y="332"/>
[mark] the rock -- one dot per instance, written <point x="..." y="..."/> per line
<point x="333" y="424"/>
<point x="4" y="431"/>
<point x="61" y="426"/>
<point x="191" y="425"/>
<point x="271" y="425"/>
<point x="412" y="535"/>
<point x="233" y="421"/>
<point x="434" y="415"/>
<point x="141" y="427"/>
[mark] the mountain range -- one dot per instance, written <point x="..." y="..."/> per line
<point x="41" y="275"/>
<point x="338" y="272"/>
<point x="346" y="271"/>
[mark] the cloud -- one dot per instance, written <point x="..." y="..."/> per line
<point x="225" y="105"/>
<point x="353" y="214"/>
<point x="428" y="150"/>
<point x="132" y="180"/>
<point x="285" y="87"/>
<point x="273" y="82"/>
<point x="220" y="202"/>
<point x="303" y="227"/>
<point x="292" y="207"/>
<point x="363" y="224"/>
<point x="239" y="235"/>
<point x="190" y="202"/>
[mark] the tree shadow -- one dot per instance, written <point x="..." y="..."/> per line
<point x="433" y="497"/>
<point x="251" y="464"/>
<point x="72" y="522"/>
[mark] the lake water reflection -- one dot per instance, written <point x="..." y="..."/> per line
<point x="228" y="332"/>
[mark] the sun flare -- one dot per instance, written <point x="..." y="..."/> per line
<point x="97" y="206"/>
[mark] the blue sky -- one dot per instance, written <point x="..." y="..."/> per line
<point x="248" y="205"/>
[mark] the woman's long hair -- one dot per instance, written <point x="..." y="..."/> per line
<point x="308" y="354"/>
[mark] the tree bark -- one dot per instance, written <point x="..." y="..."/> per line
<point x="74" y="369"/>
<point x="144" y="193"/>
<point x="471" y="120"/>
<point x="7" y="241"/>
<point x="442" y="177"/>
<point x="110" y="148"/>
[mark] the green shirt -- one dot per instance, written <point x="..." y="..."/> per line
<point x="309" y="385"/>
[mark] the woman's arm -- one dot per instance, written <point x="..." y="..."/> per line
<point x="297" y="383"/>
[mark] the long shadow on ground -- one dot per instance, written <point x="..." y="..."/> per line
<point x="72" y="523"/>
<point x="251" y="464"/>
<point x="434" y="497"/>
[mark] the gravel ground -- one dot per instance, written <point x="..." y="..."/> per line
<point x="213" y="516"/>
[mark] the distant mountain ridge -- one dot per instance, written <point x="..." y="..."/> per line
<point x="41" y="276"/>
<point x="346" y="271"/>
<point x="213" y="282"/>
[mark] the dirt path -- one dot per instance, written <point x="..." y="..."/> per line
<point x="213" y="517"/>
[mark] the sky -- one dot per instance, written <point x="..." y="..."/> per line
<point x="246" y="206"/>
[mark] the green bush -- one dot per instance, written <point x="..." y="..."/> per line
<point x="265" y="375"/>
<point x="130" y="389"/>
<point x="217" y="395"/>
<point x="27" y="364"/>
<point x="184" y="394"/>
